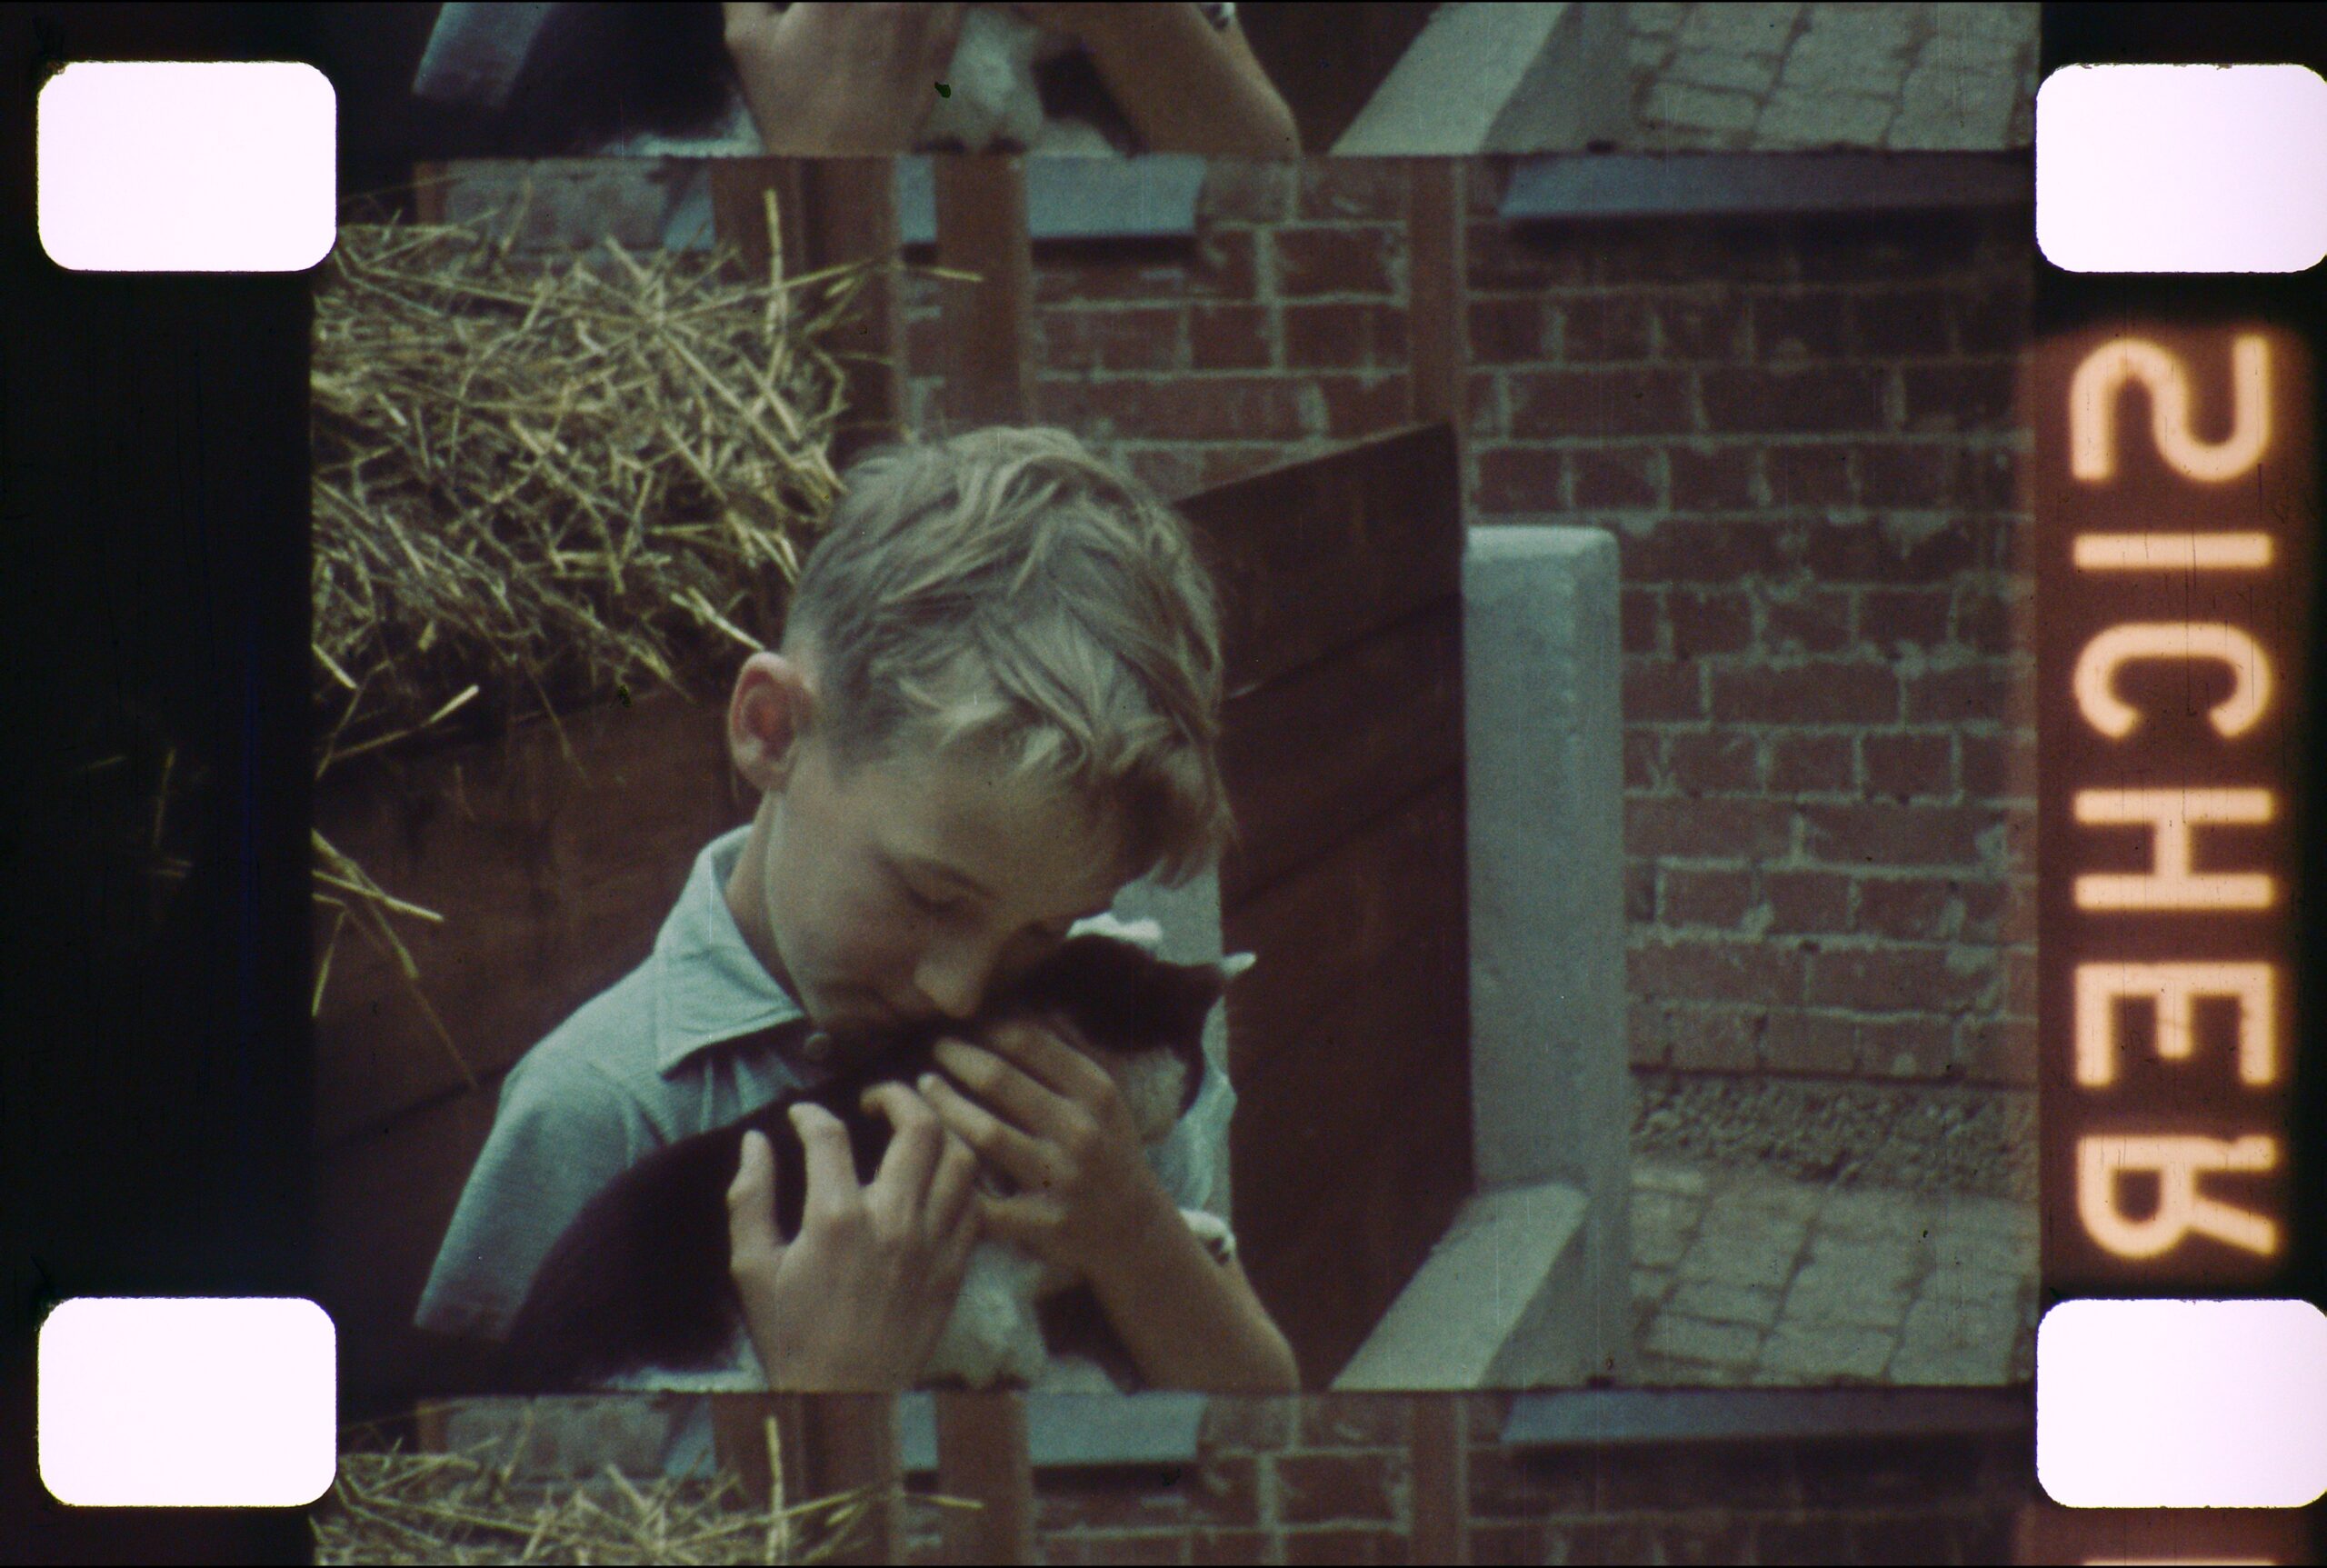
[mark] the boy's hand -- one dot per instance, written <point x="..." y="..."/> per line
<point x="856" y="1301"/>
<point x="1051" y="1119"/>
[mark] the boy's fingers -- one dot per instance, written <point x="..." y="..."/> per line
<point x="1025" y="1220"/>
<point x="955" y="1183"/>
<point x="751" y="1205"/>
<point x="830" y="1165"/>
<point x="988" y="1136"/>
<point x="916" y="1139"/>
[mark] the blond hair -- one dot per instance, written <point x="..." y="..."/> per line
<point x="1006" y="589"/>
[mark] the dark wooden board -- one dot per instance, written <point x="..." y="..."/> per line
<point x="552" y="883"/>
<point x="1317" y="555"/>
<point x="988" y="324"/>
<point x="1312" y="756"/>
<point x="382" y="1201"/>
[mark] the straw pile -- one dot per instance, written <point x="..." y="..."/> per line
<point x="462" y="1508"/>
<point x="535" y="488"/>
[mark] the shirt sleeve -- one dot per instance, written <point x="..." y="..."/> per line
<point x="563" y="1131"/>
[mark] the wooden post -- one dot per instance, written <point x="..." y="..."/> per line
<point x="989" y="325"/>
<point x="981" y="1458"/>
<point x="829" y="211"/>
<point x="830" y="1442"/>
<point x="1441" y="1481"/>
<point x="1435" y="224"/>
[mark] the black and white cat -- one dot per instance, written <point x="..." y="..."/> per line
<point x="639" y="1280"/>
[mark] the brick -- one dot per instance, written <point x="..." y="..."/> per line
<point x="1999" y="766"/>
<point x="1810" y="764"/>
<point x="1802" y="475"/>
<point x="1641" y="613"/>
<point x="1337" y="1547"/>
<point x="1689" y="550"/>
<point x="1806" y="1541"/>
<point x="1694" y="1339"/>
<point x="1717" y="1302"/>
<point x="1989" y="690"/>
<point x="1885" y="552"/>
<point x="1706" y="324"/>
<point x="1086" y="274"/>
<point x="1876" y="834"/>
<point x="1708" y="829"/>
<point x="1704" y="897"/>
<point x="1122" y="340"/>
<point x="1997" y="318"/>
<point x="1710" y="621"/>
<point x="1246" y="190"/>
<point x="1354" y="1421"/>
<point x="1356" y="406"/>
<point x="1501" y="259"/>
<point x="1192" y="408"/>
<point x="1806" y="900"/>
<point x="1906" y="324"/>
<point x="1806" y="1042"/>
<point x="1905" y="767"/>
<point x="1318" y="1488"/>
<point x="1639" y="891"/>
<point x="1894" y="1472"/>
<point x="1581" y="403"/>
<point x="1802" y="1352"/>
<point x="1521" y="479"/>
<point x="1762" y="29"/>
<point x="1227" y="266"/>
<point x="1323" y="261"/>
<point x="1713" y="970"/>
<point x="1718" y="479"/>
<point x="1699" y="108"/>
<point x="1484" y="414"/>
<point x="1759" y="1256"/>
<point x="1599" y="328"/>
<point x="1154" y="1546"/>
<point x="1806" y="325"/>
<point x="1719" y="762"/>
<point x="1226" y="1491"/>
<point x="1690" y="1038"/>
<point x="1343" y="336"/>
<point x="1508" y="1484"/>
<point x="2000" y="911"/>
<point x="1833" y="1294"/>
<point x="1810" y="110"/>
<point x="1248" y="1422"/>
<point x="1817" y="692"/>
<point x="1229" y="337"/>
<point x="1511" y="1545"/>
<point x="1806" y="620"/>
<point x="1631" y="478"/>
<point x="1735" y="73"/>
<point x="1509" y="332"/>
<point x="1894" y="619"/>
<point x="1994" y="479"/>
<point x="1886" y="979"/>
<point x="1920" y="473"/>
<point x="1827" y="398"/>
<point x="1112" y="1501"/>
<point x="1976" y="394"/>
<point x="1230" y="1548"/>
<point x="1659" y="692"/>
<point x="1997" y="1050"/>
<point x="1339" y="189"/>
<point x="1997" y="622"/>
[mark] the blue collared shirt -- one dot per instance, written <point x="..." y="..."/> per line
<point x="650" y="1060"/>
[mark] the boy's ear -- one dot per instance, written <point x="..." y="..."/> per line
<point x="768" y="713"/>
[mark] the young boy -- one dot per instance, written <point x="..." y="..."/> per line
<point x="996" y="702"/>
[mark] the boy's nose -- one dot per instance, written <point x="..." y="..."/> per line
<point x="952" y="983"/>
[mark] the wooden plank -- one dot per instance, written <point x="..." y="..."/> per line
<point x="829" y="1444"/>
<point x="1436" y="1452"/>
<point x="1434" y="309"/>
<point x="1383" y="903"/>
<point x="983" y="1458"/>
<point x="382" y="1202"/>
<point x="829" y="211"/>
<point x="1315" y="754"/>
<point x="553" y="885"/>
<point x="1353" y="1246"/>
<point x="1317" y="555"/>
<point x="988" y="324"/>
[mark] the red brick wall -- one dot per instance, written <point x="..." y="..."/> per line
<point x="1802" y="434"/>
<point x="1325" y="1479"/>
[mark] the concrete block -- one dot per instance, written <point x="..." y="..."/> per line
<point x="1504" y="1301"/>
<point x="1695" y="1339"/>
<point x="1803" y="1353"/>
<point x="1550" y="1086"/>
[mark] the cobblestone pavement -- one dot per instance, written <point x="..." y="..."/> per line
<point x="1743" y="1277"/>
<point x="1740" y="77"/>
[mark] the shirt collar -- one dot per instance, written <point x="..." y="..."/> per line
<point x="711" y="987"/>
